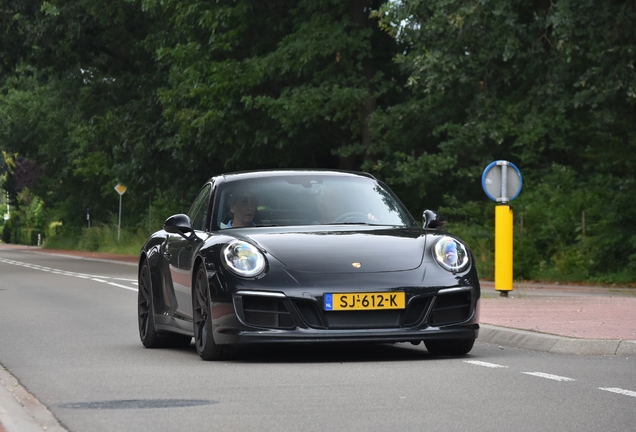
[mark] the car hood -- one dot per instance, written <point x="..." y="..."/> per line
<point x="345" y="251"/>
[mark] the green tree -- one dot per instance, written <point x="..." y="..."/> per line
<point x="541" y="84"/>
<point x="257" y="84"/>
<point x="79" y="98"/>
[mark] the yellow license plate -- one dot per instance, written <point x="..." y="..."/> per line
<point x="365" y="301"/>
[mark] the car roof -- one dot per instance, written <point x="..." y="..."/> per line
<point x="242" y="175"/>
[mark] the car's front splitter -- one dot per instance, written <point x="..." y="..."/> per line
<point x="299" y="335"/>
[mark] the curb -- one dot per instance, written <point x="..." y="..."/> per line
<point x="22" y="412"/>
<point x="553" y="344"/>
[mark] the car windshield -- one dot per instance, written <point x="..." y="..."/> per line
<point x="307" y="200"/>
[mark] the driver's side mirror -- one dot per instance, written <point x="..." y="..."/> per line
<point x="178" y="224"/>
<point x="432" y="220"/>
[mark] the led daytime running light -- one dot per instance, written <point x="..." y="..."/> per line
<point x="451" y="254"/>
<point x="244" y="259"/>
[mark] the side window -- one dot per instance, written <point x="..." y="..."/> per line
<point x="198" y="210"/>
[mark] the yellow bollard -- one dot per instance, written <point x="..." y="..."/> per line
<point x="503" y="249"/>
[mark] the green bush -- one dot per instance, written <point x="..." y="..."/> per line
<point x="29" y="236"/>
<point x="6" y="232"/>
<point x="54" y="230"/>
<point x="526" y="258"/>
<point x="100" y="238"/>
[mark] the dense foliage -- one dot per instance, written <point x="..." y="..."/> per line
<point x="161" y="94"/>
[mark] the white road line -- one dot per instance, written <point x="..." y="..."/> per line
<point x="485" y="364"/>
<point x="619" y="391"/>
<point x="98" y="280"/>
<point x="122" y="286"/>
<point x="95" y="278"/>
<point x="549" y="376"/>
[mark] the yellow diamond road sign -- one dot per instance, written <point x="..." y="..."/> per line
<point x="120" y="188"/>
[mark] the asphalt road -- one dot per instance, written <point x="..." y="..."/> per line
<point x="68" y="334"/>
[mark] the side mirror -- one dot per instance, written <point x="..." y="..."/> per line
<point x="178" y="224"/>
<point x="432" y="220"/>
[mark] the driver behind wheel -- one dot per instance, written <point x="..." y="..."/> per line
<point x="242" y="206"/>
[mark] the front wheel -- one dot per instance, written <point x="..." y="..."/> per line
<point x="449" y="347"/>
<point x="202" y="322"/>
<point x="148" y="334"/>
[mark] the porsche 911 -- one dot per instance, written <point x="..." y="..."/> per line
<point x="305" y="256"/>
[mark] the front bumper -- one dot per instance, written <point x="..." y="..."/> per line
<point x="273" y="317"/>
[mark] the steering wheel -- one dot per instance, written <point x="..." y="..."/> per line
<point x="352" y="216"/>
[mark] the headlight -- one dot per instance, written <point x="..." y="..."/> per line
<point x="451" y="254"/>
<point x="243" y="258"/>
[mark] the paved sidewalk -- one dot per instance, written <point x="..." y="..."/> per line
<point x="561" y="319"/>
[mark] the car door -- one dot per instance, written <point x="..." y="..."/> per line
<point x="186" y="248"/>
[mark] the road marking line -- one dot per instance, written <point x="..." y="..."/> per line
<point x="619" y="391"/>
<point x="98" y="280"/>
<point x="73" y="274"/>
<point x="485" y="364"/>
<point x="122" y="286"/>
<point x="549" y="376"/>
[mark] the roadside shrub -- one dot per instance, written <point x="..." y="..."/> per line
<point x="54" y="229"/>
<point x="29" y="236"/>
<point x="91" y="238"/>
<point x="526" y="258"/>
<point x="6" y="232"/>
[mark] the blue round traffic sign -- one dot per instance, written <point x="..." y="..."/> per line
<point x="501" y="181"/>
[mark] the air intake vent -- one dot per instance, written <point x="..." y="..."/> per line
<point x="266" y="312"/>
<point x="451" y="308"/>
<point x="309" y="313"/>
<point x="415" y="311"/>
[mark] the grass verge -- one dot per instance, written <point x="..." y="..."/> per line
<point x="102" y="238"/>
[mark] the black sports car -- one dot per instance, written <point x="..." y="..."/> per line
<point x="305" y="256"/>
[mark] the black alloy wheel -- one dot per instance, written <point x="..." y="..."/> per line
<point x="451" y="347"/>
<point x="149" y="336"/>
<point x="202" y="318"/>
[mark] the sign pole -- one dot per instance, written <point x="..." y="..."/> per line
<point x="7" y="215"/>
<point x="119" y="225"/>
<point x="121" y="189"/>
<point x="503" y="249"/>
<point x="500" y="180"/>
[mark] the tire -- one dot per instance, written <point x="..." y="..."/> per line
<point x="450" y="347"/>
<point x="202" y="318"/>
<point x="148" y="334"/>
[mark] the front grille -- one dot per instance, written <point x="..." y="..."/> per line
<point x="317" y="318"/>
<point x="266" y="312"/>
<point x="451" y="308"/>
<point x="310" y="314"/>
<point x="288" y="313"/>
<point x="415" y="311"/>
<point x="364" y="319"/>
